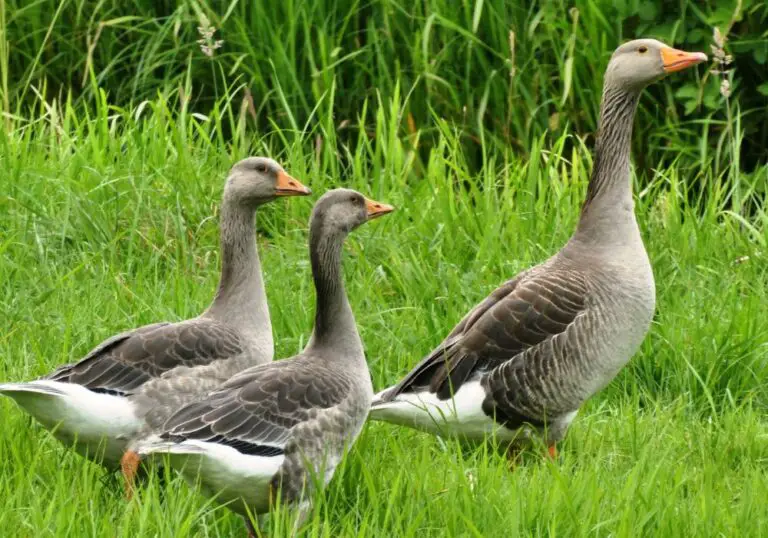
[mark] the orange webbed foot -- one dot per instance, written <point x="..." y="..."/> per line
<point x="129" y="466"/>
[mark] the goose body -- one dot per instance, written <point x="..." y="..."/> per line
<point x="283" y="427"/>
<point x="552" y="348"/>
<point x="526" y="358"/>
<point x="133" y="381"/>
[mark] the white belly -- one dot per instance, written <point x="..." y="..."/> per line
<point x="224" y="473"/>
<point x="460" y="416"/>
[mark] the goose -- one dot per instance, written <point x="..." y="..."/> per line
<point x="277" y="429"/>
<point x="520" y="364"/>
<point x="136" y="379"/>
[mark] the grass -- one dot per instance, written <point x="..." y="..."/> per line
<point x="108" y="220"/>
<point x="500" y="69"/>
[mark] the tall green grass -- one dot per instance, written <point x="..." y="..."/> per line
<point x="108" y="220"/>
<point x="502" y="71"/>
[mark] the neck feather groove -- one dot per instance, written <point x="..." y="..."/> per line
<point x="335" y="325"/>
<point x="610" y="171"/>
<point x="240" y="297"/>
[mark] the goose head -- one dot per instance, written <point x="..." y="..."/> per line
<point x="258" y="180"/>
<point x="343" y="210"/>
<point x="636" y="64"/>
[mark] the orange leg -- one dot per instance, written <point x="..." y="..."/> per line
<point x="129" y="465"/>
<point x="552" y="450"/>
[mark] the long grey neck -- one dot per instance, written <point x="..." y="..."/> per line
<point x="335" y="328"/>
<point x="608" y="211"/>
<point x="240" y="299"/>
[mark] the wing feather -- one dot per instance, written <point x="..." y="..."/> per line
<point x="121" y="364"/>
<point x="256" y="410"/>
<point x="522" y="314"/>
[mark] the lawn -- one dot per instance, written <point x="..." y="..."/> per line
<point x="108" y="222"/>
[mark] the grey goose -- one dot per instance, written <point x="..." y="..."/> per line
<point x="134" y="380"/>
<point x="279" y="428"/>
<point x="522" y="362"/>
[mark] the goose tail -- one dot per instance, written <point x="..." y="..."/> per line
<point x="74" y="412"/>
<point x="24" y="390"/>
<point x="381" y="399"/>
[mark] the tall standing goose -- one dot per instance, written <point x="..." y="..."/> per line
<point x="273" y="429"/>
<point x="135" y="379"/>
<point x="527" y="357"/>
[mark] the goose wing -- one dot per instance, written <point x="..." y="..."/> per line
<point x="126" y="361"/>
<point x="523" y="313"/>
<point x="256" y="411"/>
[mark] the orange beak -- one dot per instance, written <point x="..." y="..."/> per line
<point x="677" y="60"/>
<point x="377" y="209"/>
<point x="288" y="186"/>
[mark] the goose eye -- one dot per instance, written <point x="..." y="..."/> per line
<point x="261" y="168"/>
<point x="642" y="50"/>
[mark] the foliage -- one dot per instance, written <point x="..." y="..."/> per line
<point x="500" y="71"/>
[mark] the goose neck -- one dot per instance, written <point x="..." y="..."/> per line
<point x="240" y="297"/>
<point x="608" y="208"/>
<point x="335" y="326"/>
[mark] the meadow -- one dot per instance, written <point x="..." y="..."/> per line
<point x="108" y="220"/>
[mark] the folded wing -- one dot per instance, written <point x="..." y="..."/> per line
<point x="256" y="411"/>
<point x="523" y="313"/>
<point x="126" y="361"/>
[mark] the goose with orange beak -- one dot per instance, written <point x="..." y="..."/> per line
<point x="132" y="382"/>
<point x="281" y="429"/>
<point x="521" y="363"/>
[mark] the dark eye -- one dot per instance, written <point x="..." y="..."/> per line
<point x="261" y="168"/>
<point x="353" y="198"/>
<point x="642" y="50"/>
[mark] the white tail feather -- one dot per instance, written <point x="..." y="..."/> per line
<point x="461" y="415"/>
<point x="222" y="471"/>
<point x="75" y="414"/>
<point x="13" y="389"/>
<point x="378" y="398"/>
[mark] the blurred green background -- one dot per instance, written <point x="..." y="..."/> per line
<point x="506" y="72"/>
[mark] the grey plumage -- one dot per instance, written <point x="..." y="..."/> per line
<point x="545" y="341"/>
<point x="287" y="422"/>
<point x="144" y="374"/>
<point x="308" y="408"/>
<point x="124" y="363"/>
